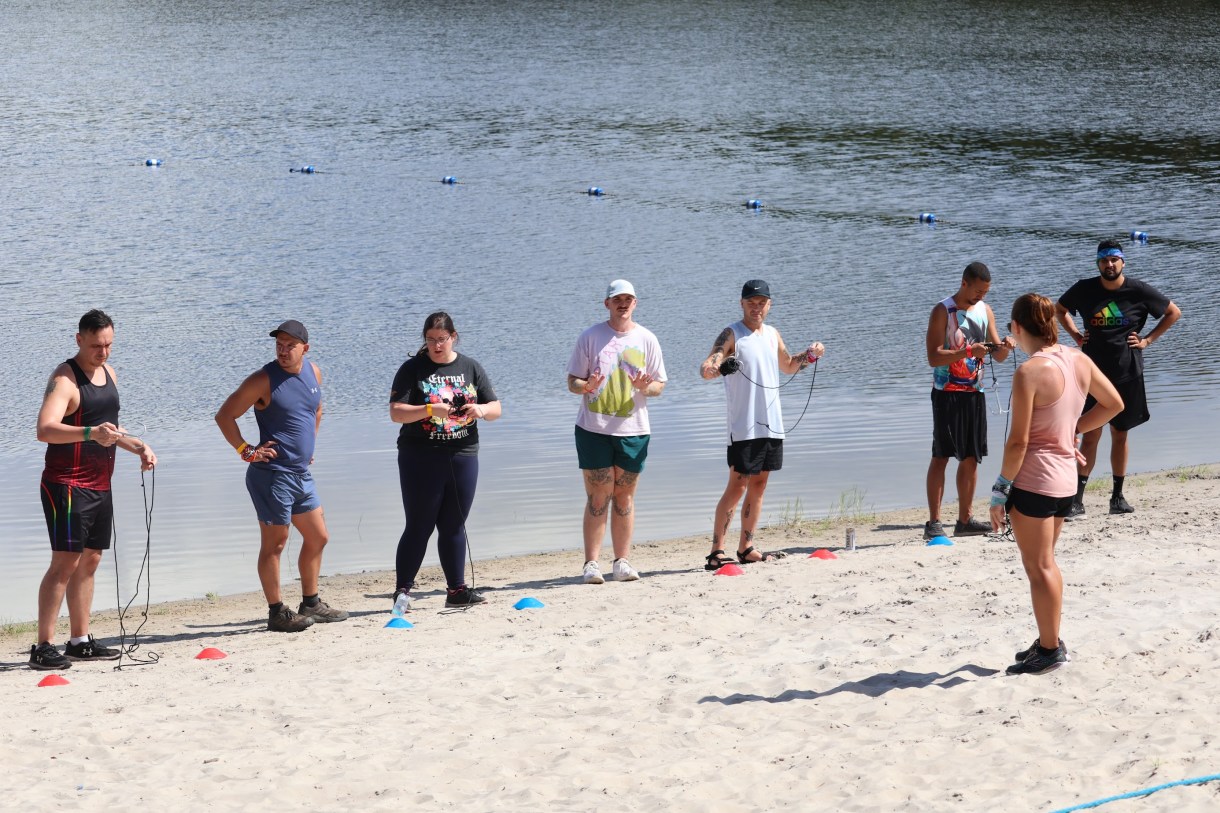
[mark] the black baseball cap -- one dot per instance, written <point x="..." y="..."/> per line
<point x="755" y="287"/>
<point x="294" y="329"/>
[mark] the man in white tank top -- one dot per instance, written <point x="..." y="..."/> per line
<point x="750" y="356"/>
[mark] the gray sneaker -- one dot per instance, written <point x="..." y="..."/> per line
<point x="971" y="527"/>
<point x="287" y="621"/>
<point x="932" y="529"/>
<point x="322" y="612"/>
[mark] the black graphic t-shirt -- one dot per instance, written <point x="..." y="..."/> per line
<point x="422" y="381"/>
<point x="1111" y="316"/>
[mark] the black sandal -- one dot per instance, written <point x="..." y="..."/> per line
<point x="767" y="556"/>
<point x="716" y="560"/>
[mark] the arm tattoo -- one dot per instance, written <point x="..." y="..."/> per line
<point x="722" y="340"/>
<point x="50" y="387"/>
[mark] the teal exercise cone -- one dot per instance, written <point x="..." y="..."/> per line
<point x="528" y="603"/>
<point x="399" y="623"/>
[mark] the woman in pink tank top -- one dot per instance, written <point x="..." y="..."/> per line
<point x="1038" y="476"/>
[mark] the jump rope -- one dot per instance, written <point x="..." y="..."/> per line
<point x="149" y="490"/>
<point x="732" y="365"/>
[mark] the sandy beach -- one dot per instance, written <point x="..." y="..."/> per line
<point x="871" y="682"/>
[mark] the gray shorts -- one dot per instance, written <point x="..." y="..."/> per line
<point x="280" y="495"/>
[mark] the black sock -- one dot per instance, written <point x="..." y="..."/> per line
<point x="1047" y="652"/>
<point x="310" y="601"/>
<point x="454" y="590"/>
<point x="272" y="609"/>
<point x="1081" y="482"/>
<point x="1118" y="486"/>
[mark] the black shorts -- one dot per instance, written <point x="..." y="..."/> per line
<point x="959" y="424"/>
<point x="77" y="518"/>
<point x="1037" y="506"/>
<point x="1135" y="405"/>
<point x="756" y="456"/>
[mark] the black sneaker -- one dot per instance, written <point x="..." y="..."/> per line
<point x="322" y="612"/>
<point x="288" y="621"/>
<point x="1038" y="664"/>
<point x="90" y="650"/>
<point x="1025" y="653"/>
<point x="971" y="527"/>
<point x="46" y="657"/>
<point x="463" y="597"/>
<point x="1118" y="505"/>
<point x="932" y="529"/>
<point x="1075" y="512"/>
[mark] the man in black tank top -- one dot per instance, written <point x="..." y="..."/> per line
<point x="79" y="422"/>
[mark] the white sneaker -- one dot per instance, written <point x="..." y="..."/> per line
<point x="592" y="574"/>
<point x="624" y="572"/>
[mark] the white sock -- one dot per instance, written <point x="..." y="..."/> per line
<point x="81" y="640"/>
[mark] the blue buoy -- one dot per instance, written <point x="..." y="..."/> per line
<point x="399" y="623"/>
<point x="528" y="603"/>
<point x="940" y="540"/>
<point x="450" y="180"/>
<point x="595" y="191"/>
<point x="754" y="203"/>
<point x="1139" y="236"/>
<point x="152" y="162"/>
<point x="307" y="170"/>
<point x="927" y="217"/>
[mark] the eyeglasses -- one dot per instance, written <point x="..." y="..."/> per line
<point x="437" y="342"/>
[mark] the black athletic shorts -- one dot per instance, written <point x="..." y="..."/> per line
<point x="756" y="456"/>
<point x="1135" y="405"/>
<point x="959" y="424"/>
<point x="1038" y="506"/>
<point x="77" y="518"/>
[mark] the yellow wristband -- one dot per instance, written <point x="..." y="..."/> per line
<point x="429" y="410"/>
<point x="242" y="448"/>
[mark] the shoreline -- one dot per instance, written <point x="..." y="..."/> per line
<point x="430" y="581"/>
<point x="870" y="682"/>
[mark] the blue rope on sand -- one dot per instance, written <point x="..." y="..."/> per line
<point x="1145" y="792"/>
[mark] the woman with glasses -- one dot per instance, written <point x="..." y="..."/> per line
<point x="1037" y="479"/>
<point x="438" y="396"/>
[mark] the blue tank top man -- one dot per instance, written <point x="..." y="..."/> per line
<point x="286" y="396"/>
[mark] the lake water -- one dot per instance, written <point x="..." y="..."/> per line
<point x="1030" y="129"/>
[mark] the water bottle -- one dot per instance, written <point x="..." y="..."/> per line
<point x="402" y="603"/>
<point x="851" y="539"/>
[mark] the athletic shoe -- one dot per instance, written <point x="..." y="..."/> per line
<point x="971" y="527"/>
<point x="402" y="601"/>
<point x="932" y="529"/>
<point x="90" y="650"/>
<point x="463" y="597"/>
<point x="1118" y="505"/>
<point x="45" y="657"/>
<point x="592" y="574"/>
<point x="624" y="572"/>
<point x="1075" y="512"/>
<point x="1025" y="653"/>
<point x="1039" y="664"/>
<point x="288" y="621"/>
<point x="321" y="612"/>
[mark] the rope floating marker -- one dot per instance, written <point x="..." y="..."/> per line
<point x="1139" y="236"/>
<point x="754" y="203"/>
<point x="152" y="162"/>
<point x="595" y="191"/>
<point x="308" y="169"/>
<point x="449" y="180"/>
<point x="927" y="217"/>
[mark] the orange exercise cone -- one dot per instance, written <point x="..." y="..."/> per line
<point x="822" y="553"/>
<point x="53" y="680"/>
<point x="211" y="654"/>
<point x="728" y="570"/>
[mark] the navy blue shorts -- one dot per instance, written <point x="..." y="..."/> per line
<point x="280" y="495"/>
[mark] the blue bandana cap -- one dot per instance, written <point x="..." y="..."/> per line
<point x="1110" y="252"/>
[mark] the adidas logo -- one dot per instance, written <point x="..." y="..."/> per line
<point x="1109" y="316"/>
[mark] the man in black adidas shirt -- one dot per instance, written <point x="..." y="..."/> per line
<point x="1114" y="309"/>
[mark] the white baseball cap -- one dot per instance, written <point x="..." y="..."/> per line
<point x="619" y="286"/>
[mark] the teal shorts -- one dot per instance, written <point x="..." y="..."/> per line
<point x="595" y="451"/>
